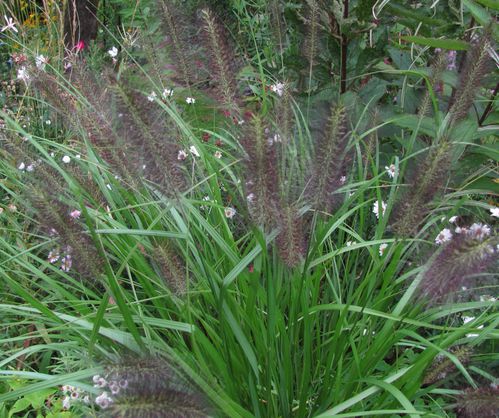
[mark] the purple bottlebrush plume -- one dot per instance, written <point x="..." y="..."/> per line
<point x="278" y="24"/>
<point x="46" y="194"/>
<point x="222" y="62"/>
<point x="469" y="252"/>
<point x="149" y="388"/>
<point x="426" y="181"/>
<point x="284" y="115"/>
<point x="88" y="110"/>
<point x="331" y="162"/>
<point x="261" y="176"/>
<point x="371" y="140"/>
<point x="151" y="142"/>
<point x="442" y="366"/>
<point x="437" y="68"/>
<point x="313" y="29"/>
<point x="291" y="241"/>
<point x="475" y="68"/>
<point x="482" y="402"/>
<point x="171" y="267"/>
<point x="181" y="47"/>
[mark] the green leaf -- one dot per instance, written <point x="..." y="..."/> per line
<point x="482" y="16"/>
<point x="451" y="44"/>
<point x="20" y="405"/>
<point x="493" y="4"/>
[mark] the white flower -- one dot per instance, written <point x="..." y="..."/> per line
<point x="487" y="298"/>
<point x="30" y="168"/>
<point x="182" y="155"/>
<point x="460" y="230"/>
<point x="350" y="243"/>
<point x="467" y="319"/>
<point x="250" y="198"/>
<point x="48" y="122"/>
<point x="444" y="236"/>
<point x="229" y="212"/>
<point x="472" y="335"/>
<point x="453" y="219"/>
<point x="343" y="179"/>
<point x="190" y="100"/>
<point x="167" y="93"/>
<point x="278" y="88"/>
<point x="66" y="159"/>
<point x="66" y="263"/>
<point x="40" y="62"/>
<point x="21" y="166"/>
<point x="275" y="139"/>
<point x="113" y="52"/>
<point x="10" y="25"/>
<point x="391" y="170"/>
<point x="382" y="248"/>
<point x="194" y="151"/>
<point x="376" y="208"/>
<point x="52" y="258"/>
<point x="103" y="400"/>
<point x="152" y="96"/>
<point x="479" y="231"/>
<point x="77" y="156"/>
<point x="75" y="214"/>
<point x="99" y="382"/>
<point x="22" y="74"/>
<point x="494" y="212"/>
<point x="66" y="403"/>
<point x="114" y="388"/>
<point x="218" y="154"/>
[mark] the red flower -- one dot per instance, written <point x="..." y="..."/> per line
<point x="80" y="46"/>
<point x="206" y="137"/>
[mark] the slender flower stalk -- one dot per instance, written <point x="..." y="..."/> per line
<point x="426" y="182"/>
<point x="262" y="182"/>
<point x="331" y="162"/>
<point x="291" y="240"/>
<point x="222" y="60"/>
<point x="475" y="68"/>
<point x="171" y="267"/>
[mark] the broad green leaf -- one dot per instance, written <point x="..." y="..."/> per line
<point x="451" y="44"/>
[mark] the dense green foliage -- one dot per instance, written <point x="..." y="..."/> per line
<point x="250" y="209"/>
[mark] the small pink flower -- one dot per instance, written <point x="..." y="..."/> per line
<point x="75" y="214"/>
<point x="80" y="46"/>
